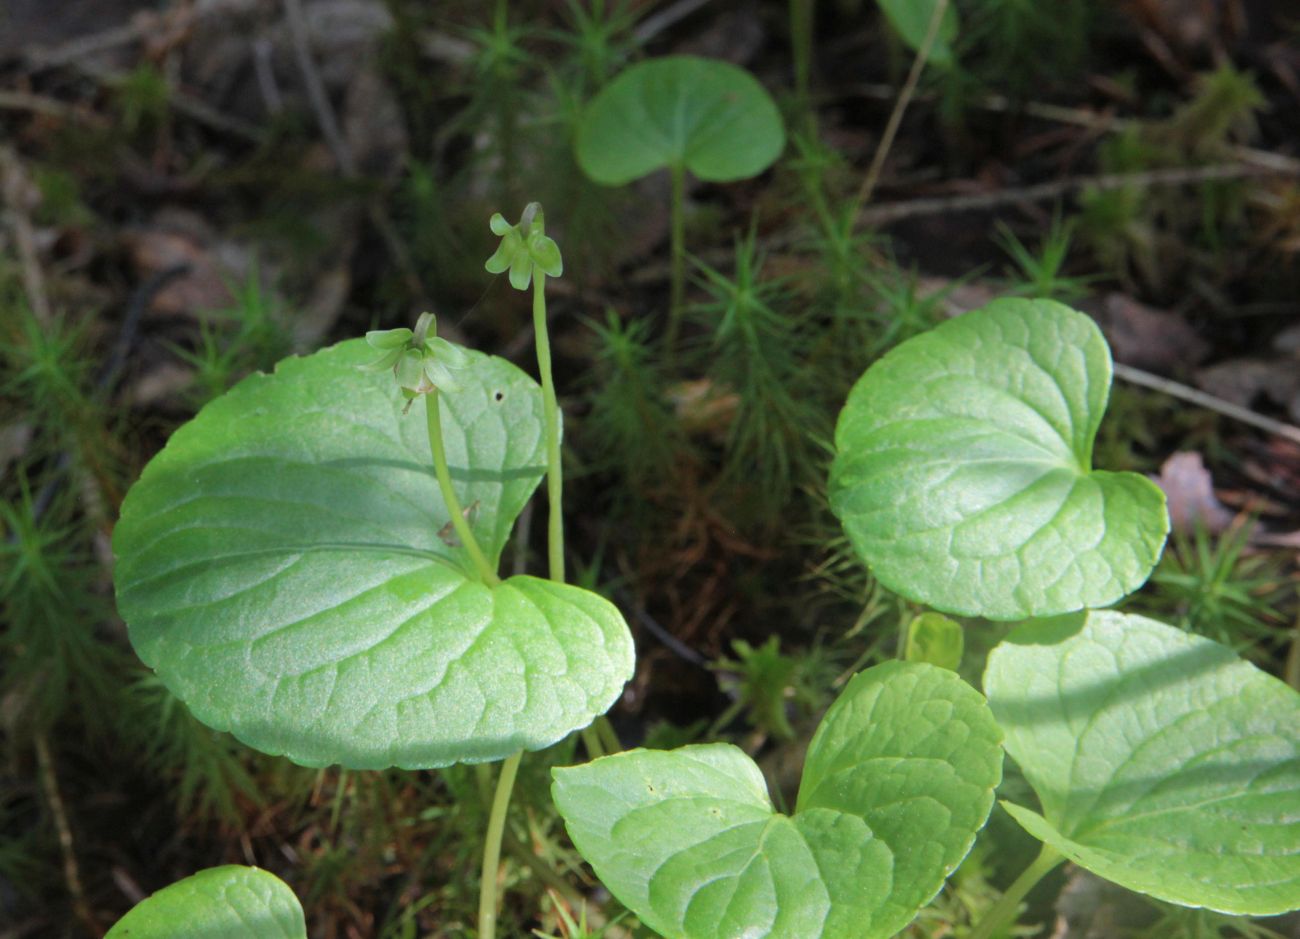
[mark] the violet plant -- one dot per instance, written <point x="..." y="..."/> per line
<point x="298" y="573"/>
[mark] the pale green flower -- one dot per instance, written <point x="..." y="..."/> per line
<point x="421" y="360"/>
<point x="524" y="247"/>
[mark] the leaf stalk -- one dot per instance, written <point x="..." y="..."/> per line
<point x="458" y="520"/>
<point x="678" y="246"/>
<point x="1003" y="913"/>
<point x="487" y="895"/>
<point x="551" y="411"/>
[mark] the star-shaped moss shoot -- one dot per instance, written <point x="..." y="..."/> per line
<point x="421" y="360"/>
<point x="524" y="247"/>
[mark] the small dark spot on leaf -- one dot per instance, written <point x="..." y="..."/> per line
<point x="499" y="396"/>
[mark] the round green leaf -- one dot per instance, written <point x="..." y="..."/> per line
<point x="1163" y="762"/>
<point x="709" y="116"/>
<point x="911" y="19"/>
<point x="899" y="778"/>
<point x="963" y="475"/>
<point x="287" y="565"/>
<point x="230" y="902"/>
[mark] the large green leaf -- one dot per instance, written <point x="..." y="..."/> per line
<point x="1162" y="761"/>
<point x="899" y="778"/>
<point x="963" y="469"/>
<point x="219" y="903"/>
<point x="911" y="18"/>
<point x="709" y="116"/>
<point x="284" y="564"/>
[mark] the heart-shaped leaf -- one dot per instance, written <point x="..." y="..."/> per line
<point x="1162" y="761"/>
<point x="899" y="778"/>
<point x="287" y="566"/>
<point x="911" y="18"/>
<point x="963" y="469"/>
<point x="230" y="902"/>
<point x="709" y="116"/>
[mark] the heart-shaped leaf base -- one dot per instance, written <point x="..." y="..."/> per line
<point x="1163" y="761"/>
<point x="899" y="778"/>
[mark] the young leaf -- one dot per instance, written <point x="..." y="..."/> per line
<point x="911" y="18"/>
<point x="1163" y="762"/>
<point x="229" y="902"/>
<point x="933" y="638"/>
<point x="899" y="778"/>
<point x="279" y="565"/>
<point x="709" y="116"/>
<point x="963" y="469"/>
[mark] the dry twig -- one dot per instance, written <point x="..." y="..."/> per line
<point x="329" y="126"/>
<point x="1200" y="398"/>
<point x="900" y="106"/>
<point x="1041" y="192"/>
<point x="13" y="182"/>
<point x="71" y="873"/>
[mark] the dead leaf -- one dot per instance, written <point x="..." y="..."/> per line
<point x="176" y="238"/>
<point x="164" y="385"/>
<point x="1190" y="493"/>
<point x="1092" y="908"/>
<point x="374" y="128"/>
<point x="1144" y="337"/>
<point x="1243" y="381"/>
<point x="958" y="296"/>
<point x="703" y="407"/>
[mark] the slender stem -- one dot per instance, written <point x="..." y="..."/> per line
<point x="678" y="245"/>
<point x="71" y="872"/>
<point x="801" y="28"/>
<point x="900" y="106"/>
<point x="551" y="408"/>
<point x="1291" y="673"/>
<point x="591" y="740"/>
<point x="458" y="520"/>
<point x="1003" y="913"/>
<point x="607" y="736"/>
<point x="487" y="893"/>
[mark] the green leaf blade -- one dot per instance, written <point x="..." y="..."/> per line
<point x="962" y="471"/>
<point x="1163" y="761"/>
<point x="688" y="839"/>
<point x="709" y="116"/>
<point x="282" y="565"/>
<point x="229" y="902"/>
<point x="911" y="18"/>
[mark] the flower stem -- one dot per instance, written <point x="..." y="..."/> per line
<point x="678" y="246"/>
<point x="551" y="408"/>
<point x="1003" y="913"/>
<point x="458" y="520"/>
<point x="900" y="106"/>
<point x="487" y="894"/>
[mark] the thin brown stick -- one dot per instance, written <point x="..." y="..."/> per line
<point x="71" y="873"/>
<point x="49" y="107"/>
<point x="342" y="154"/>
<point x="1291" y="674"/>
<point x="900" y="106"/>
<point x="12" y="183"/>
<point x="1087" y="118"/>
<point x="893" y="211"/>
<point x="1210" y="402"/>
<point x="76" y="51"/>
<point x="316" y="94"/>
